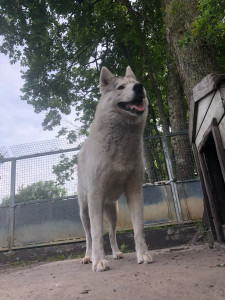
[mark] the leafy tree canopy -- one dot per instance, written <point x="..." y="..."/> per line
<point x="63" y="44"/>
<point x="65" y="169"/>
<point x="40" y="190"/>
<point x="210" y="25"/>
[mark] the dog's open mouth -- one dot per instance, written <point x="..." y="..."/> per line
<point x="135" y="107"/>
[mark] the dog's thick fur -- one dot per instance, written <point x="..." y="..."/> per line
<point x="110" y="163"/>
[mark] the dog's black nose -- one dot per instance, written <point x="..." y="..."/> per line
<point x="138" y="87"/>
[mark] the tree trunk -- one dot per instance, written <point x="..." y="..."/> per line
<point x="193" y="57"/>
<point x="149" y="160"/>
<point x="183" y="156"/>
<point x="159" y="100"/>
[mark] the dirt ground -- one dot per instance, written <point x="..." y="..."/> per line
<point x="188" y="272"/>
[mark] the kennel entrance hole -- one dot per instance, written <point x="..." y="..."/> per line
<point x="215" y="186"/>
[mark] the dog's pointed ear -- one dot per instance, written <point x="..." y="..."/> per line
<point x="130" y="73"/>
<point x="105" y="78"/>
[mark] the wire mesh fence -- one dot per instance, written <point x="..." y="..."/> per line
<point x="184" y="167"/>
<point x="173" y="150"/>
<point x="46" y="170"/>
<point x="40" y="147"/>
<point x="155" y="162"/>
<point x="38" y="190"/>
<point x="3" y="152"/>
<point x="5" y="180"/>
<point x="36" y="177"/>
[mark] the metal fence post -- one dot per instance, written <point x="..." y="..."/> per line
<point x="171" y="179"/>
<point x="12" y="205"/>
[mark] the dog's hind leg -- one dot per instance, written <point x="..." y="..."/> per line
<point x="111" y="212"/>
<point x="84" y="215"/>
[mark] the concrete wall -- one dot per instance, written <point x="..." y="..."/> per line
<point x="58" y="221"/>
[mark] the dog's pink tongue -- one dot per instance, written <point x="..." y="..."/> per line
<point x="137" y="107"/>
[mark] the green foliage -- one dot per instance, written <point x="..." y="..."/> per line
<point x="185" y="40"/>
<point x="62" y="47"/>
<point x="201" y="228"/>
<point x="65" y="169"/>
<point x="40" y="190"/>
<point x="60" y="257"/>
<point x="124" y="248"/>
<point x="176" y="8"/>
<point x="56" y="258"/>
<point x="210" y="25"/>
<point x="21" y="263"/>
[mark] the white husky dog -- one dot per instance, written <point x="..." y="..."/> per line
<point x="110" y="163"/>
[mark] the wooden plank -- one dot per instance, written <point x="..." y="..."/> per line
<point x="207" y="85"/>
<point x="222" y="131"/>
<point x="192" y="120"/>
<point x="216" y="110"/>
<point x="203" y="106"/>
<point x="222" y="92"/>
<point x="219" y="147"/>
<point x="223" y="227"/>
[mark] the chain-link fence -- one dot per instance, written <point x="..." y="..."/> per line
<point x="38" y="190"/>
<point x="169" y="157"/>
<point x="48" y="169"/>
<point x="36" y="172"/>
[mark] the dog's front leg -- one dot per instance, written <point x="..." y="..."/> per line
<point x="136" y="206"/>
<point x="99" y="263"/>
<point x="111" y="212"/>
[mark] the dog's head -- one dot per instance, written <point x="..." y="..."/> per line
<point x="123" y="94"/>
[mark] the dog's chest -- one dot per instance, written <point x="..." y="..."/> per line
<point x="122" y="160"/>
<point x="122" y="146"/>
<point x="114" y="181"/>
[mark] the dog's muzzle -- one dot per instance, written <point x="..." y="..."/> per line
<point x="138" y="89"/>
<point x="137" y="105"/>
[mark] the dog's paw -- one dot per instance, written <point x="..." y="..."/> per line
<point x="145" y="258"/>
<point x="86" y="260"/>
<point x="100" y="265"/>
<point x="118" y="255"/>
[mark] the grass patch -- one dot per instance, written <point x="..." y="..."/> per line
<point x="160" y="227"/>
<point x="124" y="248"/>
<point x="56" y="258"/>
<point x="150" y="228"/>
<point x="40" y="259"/>
<point x="201" y="229"/>
<point x="21" y="263"/>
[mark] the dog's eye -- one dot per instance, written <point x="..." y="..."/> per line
<point x="120" y="87"/>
